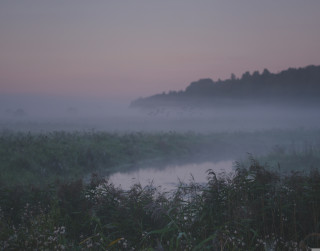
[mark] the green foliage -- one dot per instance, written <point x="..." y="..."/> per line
<point x="33" y="158"/>
<point x="41" y="159"/>
<point x="256" y="208"/>
<point x="253" y="209"/>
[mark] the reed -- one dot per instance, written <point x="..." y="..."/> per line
<point x="252" y="209"/>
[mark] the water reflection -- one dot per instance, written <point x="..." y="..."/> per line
<point x="168" y="178"/>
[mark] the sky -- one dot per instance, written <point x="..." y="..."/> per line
<point x="129" y="49"/>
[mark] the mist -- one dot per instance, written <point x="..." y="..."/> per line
<point x="44" y="114"/>
<point x="159" y="125"/>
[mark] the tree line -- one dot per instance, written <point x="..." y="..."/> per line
<point x="293" y="84"/>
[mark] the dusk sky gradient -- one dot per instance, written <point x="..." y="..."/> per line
<point x="130" y="49"/>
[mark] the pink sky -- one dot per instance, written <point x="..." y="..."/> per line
<point x="128" y="49"/>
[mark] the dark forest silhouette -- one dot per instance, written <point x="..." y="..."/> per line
<point x="297" y="86"/>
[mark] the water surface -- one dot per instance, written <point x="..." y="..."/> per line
<point x="170" y="176"/>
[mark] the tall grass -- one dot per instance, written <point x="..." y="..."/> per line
<point x="45" y="204"/>
<point x="252" y="209"/>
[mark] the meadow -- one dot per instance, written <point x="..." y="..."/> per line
<point x="41" y="158"/>
<point x="54" y="194"/>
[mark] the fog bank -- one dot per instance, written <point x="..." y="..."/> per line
<point x="48" y="113"/>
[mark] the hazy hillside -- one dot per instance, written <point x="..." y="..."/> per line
<point x="292" y="86"/>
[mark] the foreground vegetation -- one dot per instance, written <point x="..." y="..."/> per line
<point x="46" y="204"/>
<point x="253" y="209"/>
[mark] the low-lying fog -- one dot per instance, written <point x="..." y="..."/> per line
<point x="41" y="114"/>
<point x="46" y="114"/>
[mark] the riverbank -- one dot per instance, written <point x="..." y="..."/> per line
<point x="43" y="158"/>
<point x="46" y="204"/>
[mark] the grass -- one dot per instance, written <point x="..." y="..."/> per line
<point x="254" y="209"/>
<point x="39" y="159"/>
<point x="303" y="158"/>
<point x="45" y="204"/>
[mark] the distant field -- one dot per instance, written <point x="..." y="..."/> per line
<point x="27" y="158"/>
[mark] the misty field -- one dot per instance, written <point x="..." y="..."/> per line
<point x="54" y="193"/>
<point x="41" y="158"/>
<point x="159" y="125"/>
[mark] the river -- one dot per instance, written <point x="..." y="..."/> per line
<point x="169" y="177"/>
